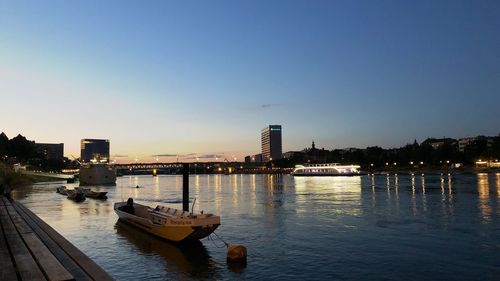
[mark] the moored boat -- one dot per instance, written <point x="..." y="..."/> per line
<point x="331" y="169"/>
<point x="168" y="223"/>
<point x="62" y="190"/>
<point x="92" y="194"/>
<point x="75" y="195"/>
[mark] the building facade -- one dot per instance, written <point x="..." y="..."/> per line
<point x="50" y="150"/>
<point x="94" y="149"/>
<point x="437" y="143"/>
<point x="271" y="143"/>
<point x="464" y="142"/>
<point x="257" y="158"/>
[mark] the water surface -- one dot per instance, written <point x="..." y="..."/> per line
<point x="396" y="227"/>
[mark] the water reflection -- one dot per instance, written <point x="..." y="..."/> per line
<point x="483" y="188"/>
<point x="274" y="188"/>
<point x="190" y="259"/>
<point x="342" y="192"/>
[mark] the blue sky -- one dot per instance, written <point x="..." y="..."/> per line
<point x="180" y="77"/>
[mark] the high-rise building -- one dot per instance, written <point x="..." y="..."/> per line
<point x="94" y="149"/>
<point x="50" y="150"/>
<point x="271" y="143"/>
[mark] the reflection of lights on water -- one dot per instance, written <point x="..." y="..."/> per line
<point x="449" y="185"/>
<point x="197" y="181"/>
<point x="442" y="184"/>
<point x="413" y="184"/>
<point x="217" y="182"/>
<point x="483" y="188"/>
<point x="498" y="184"/>
<point x="156" y="186"/>
<point x="331" y="189"/>
<point x="424" y="198"/>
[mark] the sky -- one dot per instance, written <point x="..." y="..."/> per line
<point x="204" y="77"/>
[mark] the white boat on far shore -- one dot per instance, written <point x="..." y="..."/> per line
<point x="329" y="169"/>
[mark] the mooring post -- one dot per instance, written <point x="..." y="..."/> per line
<point x="185" y="187"/>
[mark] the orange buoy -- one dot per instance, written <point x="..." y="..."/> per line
<point x="236" y="253"/>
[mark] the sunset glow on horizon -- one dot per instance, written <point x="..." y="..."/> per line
<point x="201" y="79"/>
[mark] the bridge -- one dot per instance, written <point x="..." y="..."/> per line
<point x="175" y="168"/>
<point x="176" y="165"/>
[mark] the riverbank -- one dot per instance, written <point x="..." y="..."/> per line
<point x="464" y="171"/>
<point x="9" y="179"/>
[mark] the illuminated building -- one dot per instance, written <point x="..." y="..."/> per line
<point x="94" y="149"/>
<point x="271" y="143"/>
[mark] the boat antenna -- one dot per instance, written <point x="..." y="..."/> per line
<point x="192" y="207"/>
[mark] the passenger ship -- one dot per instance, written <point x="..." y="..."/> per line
<point x="97" y="173"/>
<point x="330" y="169"/>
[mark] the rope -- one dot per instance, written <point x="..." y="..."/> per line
<point x="225" y="243"/>
<point x="213" y="241"/>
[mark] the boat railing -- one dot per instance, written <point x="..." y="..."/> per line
<point x="170" y="212"/>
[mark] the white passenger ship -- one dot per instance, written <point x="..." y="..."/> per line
<point x="330" y="169"/>
<point x="97" y="173"/>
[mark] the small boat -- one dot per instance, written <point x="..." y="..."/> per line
<point x="168" y="223"/>
<point x="93" y="194"/>
<point x="62" y="190"/>
<point x="75" y="195"/>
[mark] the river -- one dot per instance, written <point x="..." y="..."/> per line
<point x="395" y="227"/>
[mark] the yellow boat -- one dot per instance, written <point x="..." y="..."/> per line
<point x="168" y="223"/>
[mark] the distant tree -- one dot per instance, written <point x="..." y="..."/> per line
<point x="495" y="148"/>
<point x="284" y="163"/>
<point x="22" y="148"/>
<point x="4" y="144"/>
<point x="374" y="155"/>
<point x="477" y="149"/>
<point x="426" y="154"/>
